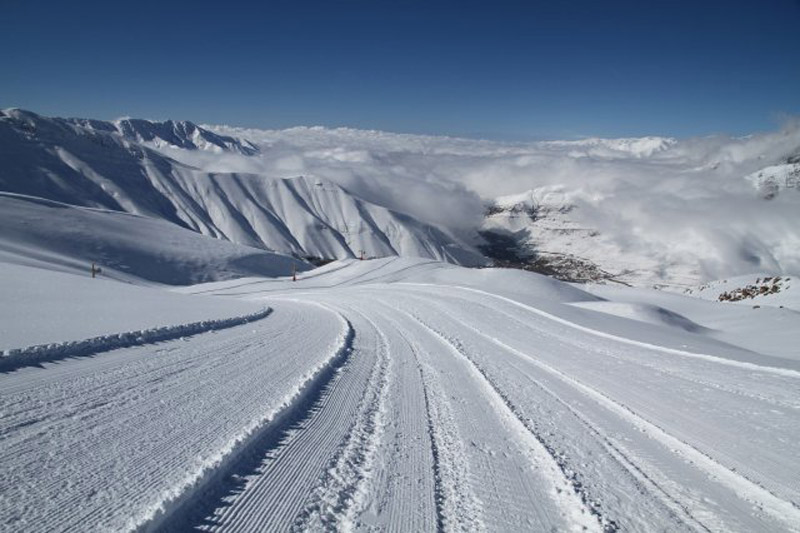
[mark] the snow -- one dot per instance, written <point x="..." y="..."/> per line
<point x="787" y="290"/>
<point x="90" y="164"/>
<point x="170" y="133"/>
<point x="397" y="393"/>
<point x="652" y="314"/>
<point x="765" y="330"/>
<point x="647" y="211"/>
<point x="619" y="148"/>
<point x="195" y="385"/>
<point x="772" y="180"/>
<point x="650" y="211"/>
<point x="46" y="306"/>
<point x="127" y="247"/>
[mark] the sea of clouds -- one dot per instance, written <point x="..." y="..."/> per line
<point x="675" y="201"/>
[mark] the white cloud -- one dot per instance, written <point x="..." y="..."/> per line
<point x="669" y="200"/>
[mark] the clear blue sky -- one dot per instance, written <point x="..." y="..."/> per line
<point x="508" y="70"/>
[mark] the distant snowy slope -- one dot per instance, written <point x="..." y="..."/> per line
<point x="649" y="211"/>
<point x="540" y="231"/>
<point x="58" y="160"/>
<point x="170" y="133"/>
<point x="752" y="290"/>
<point x="314" y="217"/>
<point x="58" y="236"/>
<point x="613" y="148"/>
<point x="93" y="166"/>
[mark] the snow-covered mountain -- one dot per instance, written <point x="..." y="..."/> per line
<point x="644" y="211"/>
<point x="538" y="230"/>
<point x="92" y="164"/>
<point x="170" y="133"/>
<point x="614" y="148"/>
<point x="565" y="231"/>
<point x="398" y="393"/>
<point x="774" y="179"/>
<point x="127" y="247"/>
<point x="647" y="211"/>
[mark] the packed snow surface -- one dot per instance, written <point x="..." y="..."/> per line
<point x="45" y="306"/>
<point x="397" y="394"/>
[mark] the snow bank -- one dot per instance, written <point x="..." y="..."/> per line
<point x="19" y="357"/>
<point x="43" y="307"/>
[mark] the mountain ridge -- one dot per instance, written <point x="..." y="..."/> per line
<point x="93" y="165"/>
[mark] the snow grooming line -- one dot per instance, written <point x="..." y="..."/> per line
<point x="784" y="511"/>
<point x="713" y="358"/>
<point x="641" y="478"/>
<point x="457" y="508"/>
<point x="574" y="503"/>
<point x="186" y="505"/>
<point x="16" y="358"/>
<point x="342" y="493"/>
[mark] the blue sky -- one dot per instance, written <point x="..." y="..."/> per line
<point x="503" y="70"/>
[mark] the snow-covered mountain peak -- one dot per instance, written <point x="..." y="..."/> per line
<point x="609" y="148"/>
<point x="168" y="134"/>
<point x="31" y="125"/>
<point x="548" y="197"/>
<point x="18" y="115"/>
<point x="775" y="179"/>
<point x="181" y="134"/>
<point x="90" y="164"/>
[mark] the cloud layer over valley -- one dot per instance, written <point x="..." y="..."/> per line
<point x="676" y="202"/>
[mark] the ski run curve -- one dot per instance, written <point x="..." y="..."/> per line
<point x="376" y="397"/>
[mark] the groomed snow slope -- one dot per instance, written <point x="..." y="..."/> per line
<point x="408" y="395"/>
<point x="46" y="306"/>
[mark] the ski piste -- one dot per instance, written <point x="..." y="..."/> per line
<point x="395" y="394"/>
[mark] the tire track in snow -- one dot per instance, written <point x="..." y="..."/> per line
<point x="181" y="510"/>
<point x="575" y="504"/>
<point x="100" y="443"/>
<point x="783" y="511"/>
<point x="317" y="474"/>
<point x="16" y="358"/>
<point x="588" y="495"/>
<point x="457" y="508"/>
<point x="341" y="496"/>
<point x="402" y="486"/>
<point x="695" y="378"/>
<point x="641" y="478"/>
<point x="747" y="487"/>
